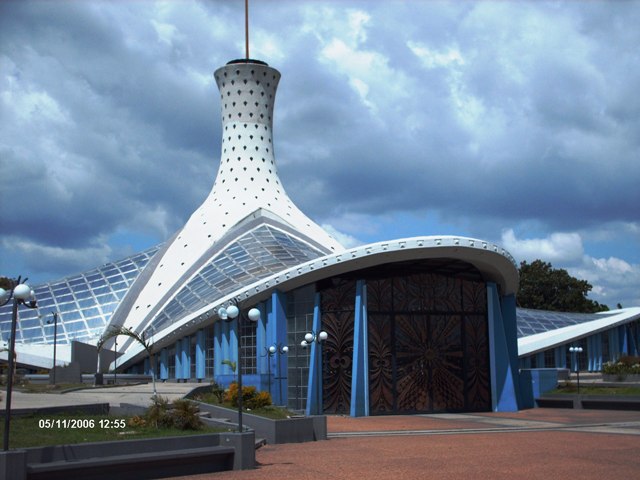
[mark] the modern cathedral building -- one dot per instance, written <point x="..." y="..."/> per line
<point x="423" y="324"/>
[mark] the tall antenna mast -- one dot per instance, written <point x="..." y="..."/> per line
<point x="246" y="28"/>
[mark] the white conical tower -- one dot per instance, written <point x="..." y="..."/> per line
<point x="247" y="183"/>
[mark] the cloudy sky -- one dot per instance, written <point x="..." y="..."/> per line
<point x="514" y="122"/>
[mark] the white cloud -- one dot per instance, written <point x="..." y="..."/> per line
<point x="614" y="280"/>
<point x="345" y="239"/>
<point x="555" y="248"/>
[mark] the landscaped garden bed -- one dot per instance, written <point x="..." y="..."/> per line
<point x="272" y="423"/>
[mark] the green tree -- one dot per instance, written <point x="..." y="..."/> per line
<point x="546" y="288"/>
<point x="7" y="283"/>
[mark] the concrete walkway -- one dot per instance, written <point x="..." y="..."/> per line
<point x="138" y="395"/>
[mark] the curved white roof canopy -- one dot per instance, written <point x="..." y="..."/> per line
<point x="543" y="341"/>
<point x="494" y="263"/>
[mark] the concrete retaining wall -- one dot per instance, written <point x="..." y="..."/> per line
<point x="19" y="464"/>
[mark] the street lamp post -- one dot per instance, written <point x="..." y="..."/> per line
<point x="115" y="361"/>
<point x="22" y="295"/>
<point x="228" y="315"/>
<point x="55" y="341"/>
<point x="270" y="352"/>
<point x="320" y="338"/>
<point x="575" y="351"/>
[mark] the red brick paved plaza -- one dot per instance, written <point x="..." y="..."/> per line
<point x="531" y="444"/>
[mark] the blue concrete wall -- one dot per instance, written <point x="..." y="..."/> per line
<point x="535" y="382"/>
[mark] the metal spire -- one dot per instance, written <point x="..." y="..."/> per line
<point x="246" y="28"/>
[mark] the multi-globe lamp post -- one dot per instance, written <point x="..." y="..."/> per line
<point x="21" y="294"/>
<point x="228" y="314"/>
<point x="574" y="352"/>
<point x="270" y="352"/>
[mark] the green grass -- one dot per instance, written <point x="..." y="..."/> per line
<point x="32" y="431"/>
<point x="595" y="390"/>
<point x="271" y="411"/>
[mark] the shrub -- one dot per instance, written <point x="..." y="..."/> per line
<point x="157" y="414"/>
<point x="250" y="397"/>
<point x="181" y="414"/>
<point x="261" y="399"/>
<point x="218" y="392"/>
<point x="184" y="415"/>
<point x="626" y="365"/>
<point x="137" y="421"/>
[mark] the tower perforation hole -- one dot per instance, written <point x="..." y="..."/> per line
<point x="233" y="82"/>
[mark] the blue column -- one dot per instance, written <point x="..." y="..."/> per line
<point x="614" y="344"/>
<point x="201" y="355"/>
<point x="178" y="356"/>
<point x="634" y="338"/>
<point x="147" y="367"/>
<point x="503" y="351"/>
<point x="360" y="366"/>
<point x="560" y="354"/>
<point x="164" y="364"/>
<point x="217" y="349"/>
<point x="186" y="358"/>
<point x="233" y="347"/>
<point x="540" y="360"/>
<point x="622" y="338"/>
<point x="262" y="343"/>
<point x="276" y="334"/>
<point x="314" y="387"/>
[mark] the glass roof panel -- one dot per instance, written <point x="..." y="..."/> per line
<point x="257" y="254"/>
<point x="95" y="293"/>
<point x="530" y="322"/>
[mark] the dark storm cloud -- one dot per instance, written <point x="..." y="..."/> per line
<point x="491" y="115"/>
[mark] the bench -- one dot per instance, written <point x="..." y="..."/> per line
<point x="147" y="465"/>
